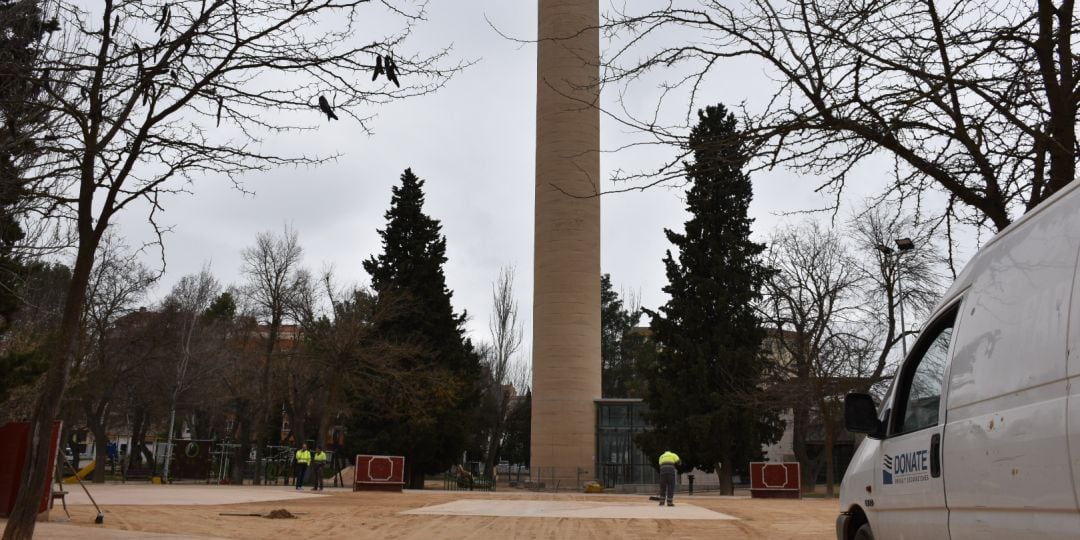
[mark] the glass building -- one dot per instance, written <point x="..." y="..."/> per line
<point x="618" y="459"/>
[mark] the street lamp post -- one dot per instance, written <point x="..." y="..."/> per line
<point x="904" y="245"/>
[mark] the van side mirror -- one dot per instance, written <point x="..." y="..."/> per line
<point x="860" y="415"/>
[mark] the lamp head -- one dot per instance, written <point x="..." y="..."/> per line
<point x="905" y="244"/>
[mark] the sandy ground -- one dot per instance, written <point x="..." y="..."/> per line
<point x="191" y="512"/>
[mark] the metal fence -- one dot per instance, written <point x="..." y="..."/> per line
<point x="223" y="465"/>
<point x="458" y="482"/>
<point x="555" y="478"/>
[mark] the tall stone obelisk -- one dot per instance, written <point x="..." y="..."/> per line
<point x="566" y="293"/>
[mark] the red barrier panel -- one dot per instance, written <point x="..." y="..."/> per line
<point x="775" y="480"/>
<point x="14" y="440"/>
<point x="379" y="473"/>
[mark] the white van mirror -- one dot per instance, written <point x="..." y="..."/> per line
<point x="860" y="415"/>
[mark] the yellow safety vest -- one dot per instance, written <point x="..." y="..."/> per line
<point x="669" y="458"/>
<point x="303" y="456"/>
<point x="320" y="457"/>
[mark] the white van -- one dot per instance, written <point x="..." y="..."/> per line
<point x="979" y="436"/>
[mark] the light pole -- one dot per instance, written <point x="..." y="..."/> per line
<point x="904" y="245"/>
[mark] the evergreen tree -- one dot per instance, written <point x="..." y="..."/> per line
<point x="433" y="423"/>
<point x="619" y="347"/>
<point x="518" y="433"/>
<point x="222" y="309"/>
<point x="41" y="293"/>
<point x="23" y="109"/>
<point x="705" y="381"/>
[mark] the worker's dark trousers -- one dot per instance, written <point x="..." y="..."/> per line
<point x="316" y="474"/>
<point x="301" y="470"/>
<point x="667" y="483"/>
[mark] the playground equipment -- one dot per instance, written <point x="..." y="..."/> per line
<point x="81" y="474"/>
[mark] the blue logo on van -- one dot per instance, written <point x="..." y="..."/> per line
<point x="886" y="473"/>
<point x="905" y="468"/>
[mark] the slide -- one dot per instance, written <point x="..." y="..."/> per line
<point x="83" y="473"/>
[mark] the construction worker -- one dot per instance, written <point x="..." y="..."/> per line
<point x="317" y="464"/>
<point x="668" y="461"/>
<point x="303" y="459"/>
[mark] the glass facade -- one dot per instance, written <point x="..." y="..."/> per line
<point x="618" y="459"/>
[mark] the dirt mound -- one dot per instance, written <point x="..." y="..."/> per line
<point x="280" y="513"/>
<point x="347" y="476"/>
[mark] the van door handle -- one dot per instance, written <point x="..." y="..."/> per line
<point x="935" y="455"/>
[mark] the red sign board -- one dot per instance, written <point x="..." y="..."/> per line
<point x="14" y="450"/>
<point x="379" y="473"/>
<point x="775" y="480"/>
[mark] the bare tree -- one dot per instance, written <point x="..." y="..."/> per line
<point x="136" y="105"/>
<point x="240" y="384"/>
<point x="118" y="282"/>
<point x="190" y="297"/>
<point x="895" y="283"/>
<point x="810" y="304"/>
<point x="506" y="339"/>
<point x="976" y="99"/>
<point x="304" y="377"/>
<point x="272" y="268"/>
<point x="338" y="352"/>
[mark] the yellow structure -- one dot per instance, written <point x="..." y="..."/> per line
<point x="566" y="294"/>
<point x="82" y="474"/>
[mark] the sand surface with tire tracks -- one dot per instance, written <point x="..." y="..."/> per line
<point x="170" y="512"/>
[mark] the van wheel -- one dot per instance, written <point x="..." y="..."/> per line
<point x="864" y="533"/>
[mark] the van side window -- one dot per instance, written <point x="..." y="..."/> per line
<point x="919" y="394"/>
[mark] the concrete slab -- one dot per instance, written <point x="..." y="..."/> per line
<point x="149" y="494"/>
<point x="569" y="509"/>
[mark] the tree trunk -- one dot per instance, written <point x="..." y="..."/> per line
<point x="73" y="444"/>
<point x="494" y="442"/>
<point x="265" y="406"/>
<point x="297" y="423"/>
<point x="415" y="478"/>
<point x="101" y="456"/>
<point x="62" y="352"/>
<point x="723" y="473"/>
<point x="134" y="453"/>
<point x="95" y="420"/>
<point x="801" y="421"/>
<point x="327" y="409"/>
<point x="830" y="473"/>
<point x="244" y="434"/>
<point x="138" y="454"/>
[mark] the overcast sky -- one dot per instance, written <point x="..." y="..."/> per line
<point x="473" y="143"/>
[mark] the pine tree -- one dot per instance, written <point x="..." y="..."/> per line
<point x="432" y="424"/>
<point x="23" y="109"/>
<point x="619" y="347"/>
<point x="704" y="383"/>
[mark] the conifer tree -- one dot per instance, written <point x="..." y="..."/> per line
<point x="433" y="423"/>
<point x="614" y="324"/>
<point x="704" y="383"/>
<point x="620" y="346"/>
<point x="24" y="108"/>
